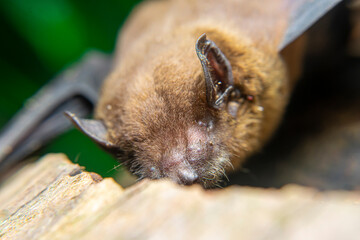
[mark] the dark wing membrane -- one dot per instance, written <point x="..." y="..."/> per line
<point x="304" y="13"/>
<point x="42" y="118"/>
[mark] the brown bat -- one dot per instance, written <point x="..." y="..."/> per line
<point x="170" y="116"/>
<point x="197" y="86"/>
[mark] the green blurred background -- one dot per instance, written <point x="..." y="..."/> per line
<point x="39" y="38"/>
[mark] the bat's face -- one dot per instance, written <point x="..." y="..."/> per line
<point x="168" y="130"/>
<point x="165" y="127"/>
<point x="190" y="126"/>
<point x="165" y="135"/>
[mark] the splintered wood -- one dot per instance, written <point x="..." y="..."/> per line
<point x="55" y="199"/>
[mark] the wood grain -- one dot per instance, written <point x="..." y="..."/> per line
<point x="55" y="199"/>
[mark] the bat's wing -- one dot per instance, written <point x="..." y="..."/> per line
<point x="42" y="118"/>
<point x="303" y="14"/>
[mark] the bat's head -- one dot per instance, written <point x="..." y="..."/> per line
<point x="191" y="125"/>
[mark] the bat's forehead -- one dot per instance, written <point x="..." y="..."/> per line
<point x="175" y="85"/>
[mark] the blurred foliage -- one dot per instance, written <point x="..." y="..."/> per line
<point x="42" y="37"/>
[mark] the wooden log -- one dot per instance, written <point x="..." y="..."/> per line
<point x="55" y="199"/>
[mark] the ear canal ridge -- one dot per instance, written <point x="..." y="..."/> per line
<point x="201" y="47"/>
<point x="95" y="129"/>
<point x="217" y="71"/>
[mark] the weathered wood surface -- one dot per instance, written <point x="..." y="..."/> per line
<point x="55" y="199"/>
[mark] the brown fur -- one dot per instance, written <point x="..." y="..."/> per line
<point x="154" y="101"/>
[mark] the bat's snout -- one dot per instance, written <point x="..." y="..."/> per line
<point x="178" y="169"/>
<point x="187" y="176"/>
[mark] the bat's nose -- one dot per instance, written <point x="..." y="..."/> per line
<point x="187" y="176"/>
<point x="176" y="166"/>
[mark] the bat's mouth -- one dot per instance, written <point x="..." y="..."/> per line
<point x="208" y="173"/>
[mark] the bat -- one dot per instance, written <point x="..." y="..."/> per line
<point x="195" y="87"/>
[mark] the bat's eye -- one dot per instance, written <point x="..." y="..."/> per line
<point x="237" y="95"/>
<point x="250" y="98"/>
<point x="237" y="99"/>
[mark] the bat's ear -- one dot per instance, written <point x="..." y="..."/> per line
<point x="95" y="129"/>
<point x="217" y="70"/>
